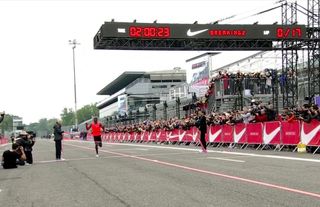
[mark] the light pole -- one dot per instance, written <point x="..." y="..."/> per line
<point x="74" y="43"/>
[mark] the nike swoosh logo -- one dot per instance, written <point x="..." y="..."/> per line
<point x="195" y="136"/>
<point x="149" y="135"/>
<point x="306" y="138"/>
<point x="182" y="135"/>
<point x="237" y="137"/>
<point x="268" y="137"/>
<point x="194" y="33"/>
<point x="212" y="137"/>
<point x="158" y="134"/>
<point x="179" y="136"/>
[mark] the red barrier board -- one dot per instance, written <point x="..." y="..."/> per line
<point x="310" y="133"/>
<point x="227" y="134"/>
<point x="144" y="136"/>
<point x="215" y="133"/>
<point x="137" y="136"/>
<point x="174" y="135"/>
<point x="271" y="133"/>
<point x="111" y="137"/>
<point x="161" y="136"/>
<point x="3" y="141"/>
<point x="125" y="136"/>
<point x="254" y="133"/>
<point x="290" y="133"/>
<point x="152" y="136"/>
<point x="207" y="135"/>
<point x="240" y="133"/>
<point x="131" y="136"/>
<point x="119" y="136"/>
<point x="188" y="135"/>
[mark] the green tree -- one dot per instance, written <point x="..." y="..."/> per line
<point x="33" y="127"/>
<point x="86" y="112"/>
<point x="67" y="117"/>
<point x="6" y="124"/>
<point x="43" y="127"/>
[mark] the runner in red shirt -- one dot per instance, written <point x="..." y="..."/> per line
<point x="96" y="133"/>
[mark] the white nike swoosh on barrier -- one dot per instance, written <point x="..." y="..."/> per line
<point x="306" y="138"/>
<point x="194" y="136"/>
<point x="173" y="136"/>
<point x="182" y="135"/>
<point x="268" y="137"/>
<point x="194" y="33"/>
<point x="190" y="135"/>
<point x="237" y="137"/>
<point x="149" y="136"/>
<point x="212" y="137"/>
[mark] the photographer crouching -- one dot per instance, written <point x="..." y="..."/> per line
<point x="10" y="158"/>
<point x="26" y="140"/>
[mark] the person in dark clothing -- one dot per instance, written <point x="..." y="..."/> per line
<point x="10" y="157"/>
<point x="2" y="116"/>
<point x="26" y="141"/>
<point x="58" y="139"/>
<point x="202" y="125"/>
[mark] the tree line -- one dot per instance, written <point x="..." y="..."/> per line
<point x="45" y="126"/>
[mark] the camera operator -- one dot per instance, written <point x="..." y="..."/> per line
<point x="10" y="157"/>
<point x="28" y="149"/>
<point x="26" y="141"/>
<point x="2" y="116"/>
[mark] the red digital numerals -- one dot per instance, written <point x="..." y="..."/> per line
<point x="149" y="32"/>
<point x="284" y="33"/>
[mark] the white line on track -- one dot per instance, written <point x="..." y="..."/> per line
<point x="3" y="145"/>
<point x="225" y="152"/>
<point x="245" y="180"/>
<point x="108" y="157"/>
<point x="224" y="159"/>
<point x="126" y="149"/>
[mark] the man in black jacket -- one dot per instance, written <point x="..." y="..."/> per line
<point x="1" y="116"/>
<point x="58" y="138"/>
<point x="202" y="125"/>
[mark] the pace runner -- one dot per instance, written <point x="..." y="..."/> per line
<point x="96" y="128"/>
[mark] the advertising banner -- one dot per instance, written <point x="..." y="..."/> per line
<point x="271" y="133"/>
<point x="290" y="132"/>
<point x="122" y="105"/>
<point x="198" y="73"/>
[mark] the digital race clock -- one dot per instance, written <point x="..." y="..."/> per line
<point x="202" y="31"/>
<point x="149" y="32"/>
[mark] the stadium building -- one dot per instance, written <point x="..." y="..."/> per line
<point x="132" y="92"/>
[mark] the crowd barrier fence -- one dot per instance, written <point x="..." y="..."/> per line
<point x="3" y="140"/>
<point x="275" y="133"/>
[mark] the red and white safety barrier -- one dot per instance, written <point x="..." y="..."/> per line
<point x="267" y="133"/>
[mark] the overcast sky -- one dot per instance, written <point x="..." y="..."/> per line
<point x="36" y="60"/>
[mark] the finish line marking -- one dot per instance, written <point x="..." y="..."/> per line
<point x="224" y="159"/>
<point x="227" y="152"/>
<point x="292" y="190"/>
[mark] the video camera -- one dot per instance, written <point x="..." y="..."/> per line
<point x="32" y="134"/>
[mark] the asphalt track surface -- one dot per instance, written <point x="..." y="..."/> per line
<point x="161" y="175"/>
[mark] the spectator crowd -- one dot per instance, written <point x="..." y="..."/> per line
<point x="256" y="112"/>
